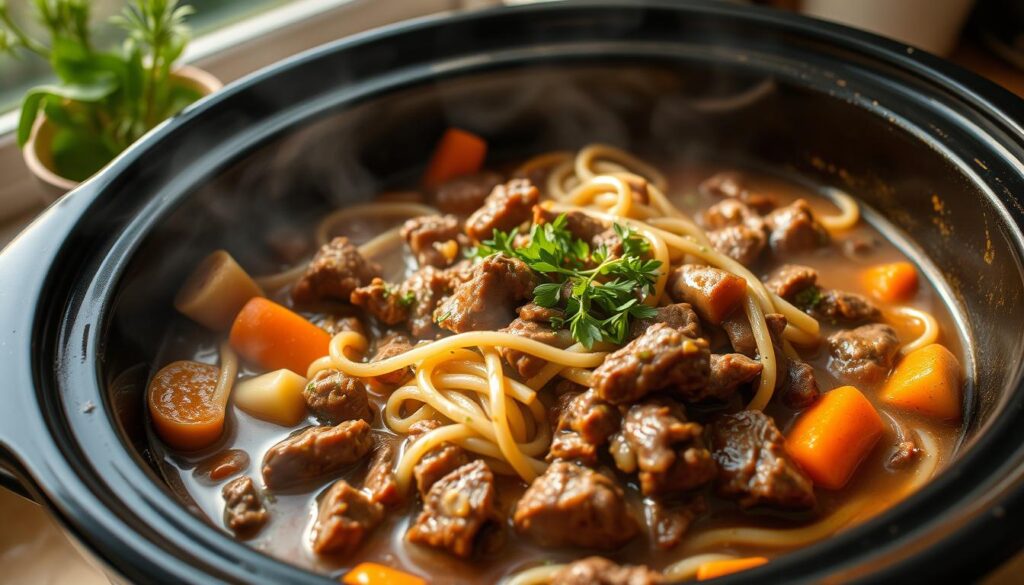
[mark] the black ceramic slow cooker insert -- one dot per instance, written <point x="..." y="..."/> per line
<point x="85" y="291"/>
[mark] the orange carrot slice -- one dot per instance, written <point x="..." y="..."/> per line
<point x="893" y="282"/>
<point x="458" y="153"/>
<point x="374" y="574"/>
<point x="273" y="337"/>
<point x="831" y="438"/>
<point x="714" y="569"/>
<point x="187" y="413"/>
<point x="927" y="381"/>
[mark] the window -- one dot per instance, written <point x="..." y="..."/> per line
<point x="17" y="75"/>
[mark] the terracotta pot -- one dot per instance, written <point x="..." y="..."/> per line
<point x="39" y="156"/>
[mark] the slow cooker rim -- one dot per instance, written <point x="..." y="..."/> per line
<point x="96" y="188"/>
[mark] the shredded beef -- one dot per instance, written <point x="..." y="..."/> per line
<point x="388" y="347"/>
<point x="799" y="388"/>
<point x="789" y="280"/>
<point x="585" y="422"/>
<point x="380" y="477"/>
<point x="753" y="466"/>
<point x="667" y="522"/>
<point x="836" y="306"/>
<point x="730" y="184"/>
<point x="728" y="373"/>
<point x="536" y="325"/>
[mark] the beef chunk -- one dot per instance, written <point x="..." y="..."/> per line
<point x="380" y="477"/>
<point x="315" y="452"/>
<point x="437" y="462"/>
<point x="793" y="229"/>
<point x="712" y="292"/>
<point x="455" y="509"/>
<point x="534" y="322"/>
<point x="433" y="239"/>
<point x="667" y="523"/>
<point x="344" y="519"/>
<point x="663" y="357"/>
<point x="601" y="571"/>
<point x="730" y="184"/>
<point x="741" y="335"/>
<point x="789" y="279"/>
<point x="742" y="243"/>
<point x="386" y="302"/>
<point x="334" y="397"/>
<point x="864" y="354"/>
<point x="413" y="301"/>
<point x="464" y="195"/>
<point x="753" y="466"/>
<point x="389" y="346"/>
<point x="507" y="207"/>
<point x="728" y="373"/>
<point x="488" y="299"/>
<point x="906" y="453"/>
<point x="335" y="324"/>
<point x="799" y="389"/>
<point x="680" y="316"/>
<point x="670" y="450"/>
<point x="584" y="423"/>
<point x="836" y="306"/>
<point x="337" y="269"/>
<point x="735" y="230"/>
<point x="581" y="225"/>
<point x="573" y="506"/>
<point x="244" y="512"/>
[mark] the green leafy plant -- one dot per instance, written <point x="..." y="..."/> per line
<point x="105" y="99"/>
<point x="600" y="292"/>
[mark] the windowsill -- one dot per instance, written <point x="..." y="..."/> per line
<point x="230" y="53"/>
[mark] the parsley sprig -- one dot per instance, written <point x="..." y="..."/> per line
<point x="599" y="292"/>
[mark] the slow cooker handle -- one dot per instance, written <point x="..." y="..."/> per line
<point x="25" y="441"/>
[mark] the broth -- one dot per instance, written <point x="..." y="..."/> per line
<point x="504" y="552"/>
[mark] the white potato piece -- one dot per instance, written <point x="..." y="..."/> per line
<point x="216" y="290"/>
<point x="275" y="397"/>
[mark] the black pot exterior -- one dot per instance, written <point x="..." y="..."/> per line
<point x="70" y="286"/>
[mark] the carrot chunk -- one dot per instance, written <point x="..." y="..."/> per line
<point x="457" y="153"/>
<point x="893" y="282"/>
<point x="374" y="574"/>
<point x="714" y="293"/>
<point x="273" y="337"/>
<point x="927" y="381"/>
<point x="831" y="438"/>
<point x="187" y="413"/>
<point x="715" y="569"/>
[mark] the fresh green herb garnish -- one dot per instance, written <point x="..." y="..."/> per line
<point x="407" y="299"/>
<point x="808" y="298"/>
<point x="599" y="293"/>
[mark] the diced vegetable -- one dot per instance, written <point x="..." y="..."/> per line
<point x="274" y="397"/>
<point x="927" y="381"/>
<point x="187" y="413"/>
<point x="374" y="574"/>
<point x="273" y="337"/>
<point x="715" y="569"/>
<point x="457" y="153"/>
<point x="893" y="282"/>
<point x="714" y="293"/>
<point x="217" y="289"/>
<point x="831" y="438"/>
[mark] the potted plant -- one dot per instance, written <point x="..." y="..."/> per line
<point x="104" y="99"/>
